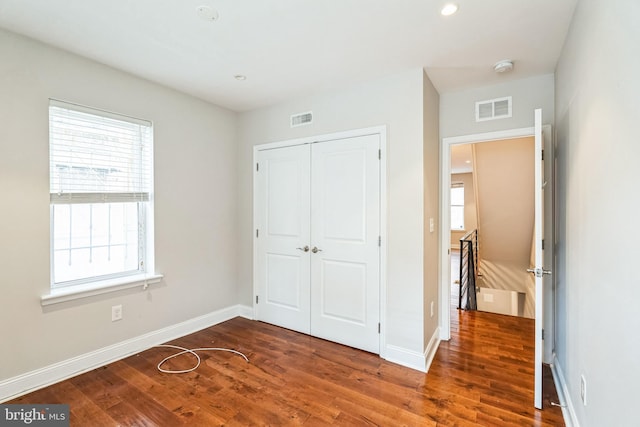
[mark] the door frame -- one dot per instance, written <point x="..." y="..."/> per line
<point x="381" y="131"/>
<point x="445" y="223"/>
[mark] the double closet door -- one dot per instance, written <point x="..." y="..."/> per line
<point x="317" y="212"/>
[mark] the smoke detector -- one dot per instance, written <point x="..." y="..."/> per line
<point x="503" y="66"/>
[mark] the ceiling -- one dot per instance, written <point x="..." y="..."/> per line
<point x="461" y="158"/>
<point x="293" y="48"/>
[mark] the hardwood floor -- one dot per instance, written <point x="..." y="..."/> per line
<point x="483" y="376"/>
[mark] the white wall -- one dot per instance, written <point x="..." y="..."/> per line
<point x="395" y="101"/>
<point x="598" y="107"/>
<point x="195" y="207"/>
<point x="457" y="109"/>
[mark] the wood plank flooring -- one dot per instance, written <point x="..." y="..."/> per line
<point x="483" y="376"/>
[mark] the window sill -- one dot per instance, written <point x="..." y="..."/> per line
<point x="70" y="293"/>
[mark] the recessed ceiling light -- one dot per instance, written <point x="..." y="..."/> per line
<point x="207" y="13"/>
<point x="467" y="161"/>
<point x="449" y="9"/>
<point x="240" y="77"/>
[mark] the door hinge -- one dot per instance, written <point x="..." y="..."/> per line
<point x="257" y="167"/>
<point x="542" y="156"/>
<point x="379" y="154"/>
<point x="378" y="327"/>
<point x="257" y="233"/>
<point x="543" y="244"/>
<point x="543" y="334"/>
<point x="379" y="240"/>
<point x="256" y="299"/>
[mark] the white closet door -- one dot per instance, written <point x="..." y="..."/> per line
<point x="345" y="227"/>
<point x="283" y="210"/>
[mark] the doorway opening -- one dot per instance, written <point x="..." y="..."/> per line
<point x="492" y="223"/>
<point x="543" y="199"/>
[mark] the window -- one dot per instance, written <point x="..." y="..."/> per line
<point x="100" y="191"/>
<point x="457" y="206"/>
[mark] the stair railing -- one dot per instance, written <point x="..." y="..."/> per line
<point x="468" y="271"/>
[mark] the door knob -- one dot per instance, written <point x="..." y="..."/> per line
<point x="305" y="249"/>
<point x="538" y="271"/>
<point x="315" y="250"/>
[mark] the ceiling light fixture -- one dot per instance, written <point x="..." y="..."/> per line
<point x="449" y="9"/>
<point x="240" y="77"/>
<point x="503" y="66"/>
<point x="207" y="13"/>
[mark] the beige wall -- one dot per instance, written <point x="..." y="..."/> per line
<point x="431" y="160"/>
<point x="397" y="102"/>
<point x="195" y="205"/>
<point x="505" y="183"/>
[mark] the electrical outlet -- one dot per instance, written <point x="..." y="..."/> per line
<point x="583" y="390"/>
<point x="116" y="313"/>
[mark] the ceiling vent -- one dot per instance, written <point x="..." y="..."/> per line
<point x="301" y="119"/>
<point x="499" y="108"/>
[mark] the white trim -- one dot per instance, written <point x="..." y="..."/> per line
<point x="381" y="131"/>
<point x="445" y="239"/>
<point x="43" y="377"/>
<point x="245" y="311"/>
<point x="489" y="136"/>
<point x="568" y="410"/>
<point x="70" y="293"/>
<point x="444" y="272"/>
<point x="432" y="347"/>
<point x="384" y="240"/>
<point x="408" y="358"/>
<point x="374" y="130"/>
<point x="99" y="112"/>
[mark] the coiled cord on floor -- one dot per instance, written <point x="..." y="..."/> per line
<point x="192" y="351"/>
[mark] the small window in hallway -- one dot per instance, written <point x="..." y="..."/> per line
<point x="457" y="206"/>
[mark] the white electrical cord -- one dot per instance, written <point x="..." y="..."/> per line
<point x="192" y="351"/>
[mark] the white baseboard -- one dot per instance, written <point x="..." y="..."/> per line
<point x="402" y="356"/>
<point x="43" y="377"/>
<point x="568" y="410"/>
<point x="245" y="311"/>
<point x="432" y="347"/>
<point x="413" y="359"/>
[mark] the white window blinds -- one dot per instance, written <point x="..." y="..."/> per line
<point x="98" y="157"/>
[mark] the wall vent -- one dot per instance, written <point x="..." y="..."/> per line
<point x="301" y="119"/>
<point x="492" y="109"/>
